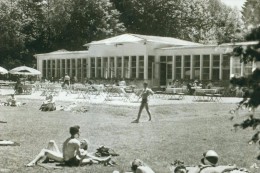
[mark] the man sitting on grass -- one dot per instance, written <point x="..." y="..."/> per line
<point x="74" y="152"/>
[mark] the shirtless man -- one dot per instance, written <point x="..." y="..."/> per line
<point x="138" y="166"/>
<point x="74" y="152"/>
<point x="146" y="92"/>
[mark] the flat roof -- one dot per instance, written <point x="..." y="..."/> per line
<point x="136" y="38"/>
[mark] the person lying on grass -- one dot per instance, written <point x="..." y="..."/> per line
<point x="208" y="165"/>
<point x="74" y="152"/>
<point x="138" y="166"/>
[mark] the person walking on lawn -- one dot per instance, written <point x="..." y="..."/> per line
<point x="146" y="92"/>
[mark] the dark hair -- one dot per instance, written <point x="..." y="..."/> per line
<point x="179" y="168"/>
<point x="145" y="83"/>
<point x="135" y="164"/>
<point x="74" y="130"/>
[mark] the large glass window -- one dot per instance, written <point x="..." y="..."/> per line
<point x="187" y="63"/>
<point x="58" y="68"/>
<point x="205" y="68"/>
<point x="119" y="67"/>
<point x="79" y="74"/>
<point x="236" y="70"/>
<point x="92" y="67"/>
<point x="44" y="68"/>
<point x="112" y="67"/>
<point x="126" y="67"/>
<point x="73" y="67"/>
<point x="215" y="67"/>
<point x="196" y="66"/>
<point x="150" y="66"/>
<point x="63" y="67"/>
<point x="178" y="67"/>
<point x="68" y="67"/>
<point x="248" y="68"/>
<point x="85" y="68"/>
<point x="49" y="69"/>
<point x="133" y="67"/>
<point x="169" y="67"/>
<point x="105" y="67"/>
<point x="141" y="67"/>
<point x="226" y="67"/>
<point x="98" y="67"/>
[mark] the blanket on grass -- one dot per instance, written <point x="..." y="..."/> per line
<point x="8" y="143"/>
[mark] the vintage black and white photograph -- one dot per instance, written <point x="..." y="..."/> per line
<point x="129" y="86"/>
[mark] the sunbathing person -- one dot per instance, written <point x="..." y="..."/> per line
<point x="48" y="104"/>
<point x="74" y="152"/>
<point x="208" y="165"/>
<point x="138" y="166"/>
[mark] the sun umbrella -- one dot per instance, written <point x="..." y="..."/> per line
<point x="24" y="70"/>
<point x="3" y="70"/>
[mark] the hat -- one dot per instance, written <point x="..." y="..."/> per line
<point x="210" y="158"/>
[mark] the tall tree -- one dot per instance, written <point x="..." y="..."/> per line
<point x="251" y="83"/>
<point x="251" y="13"/>
<point x="196" y="20"/>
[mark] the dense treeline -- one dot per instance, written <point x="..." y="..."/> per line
<point x="37" y="26"/>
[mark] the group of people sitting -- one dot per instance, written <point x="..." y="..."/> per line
<point x="11" y="101"/>
<point x="74" y="153"/>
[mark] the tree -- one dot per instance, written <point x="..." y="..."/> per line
<point x="84" y="21"/>
<point x="251" y="13"/>
<point x="11" y="38"/>
<point x="251" y="83"/>
<point x="37" y="26"/>
<point x="205" y="21"/>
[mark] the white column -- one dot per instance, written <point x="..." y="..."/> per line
<point x="242" y="69"/>
<point x="201" y="67"/>
<point x="137" y="66"/>
<point x="130" y="67"/>
<point x="182" y="66"/>
<point x="145" y="67"/>
<point x="191" y="67"/>
<point x="210" y="66"/>
<point x="122" y="67"/>
<point x="39" y="66"/>
<point x="173" y="67"/>
<point x="231" y="65"/>
<point x="221" y="67"/>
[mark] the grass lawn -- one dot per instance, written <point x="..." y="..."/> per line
<point x="181" y="131"/>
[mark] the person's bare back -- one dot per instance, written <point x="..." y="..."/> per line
<point x="70" y="147"/>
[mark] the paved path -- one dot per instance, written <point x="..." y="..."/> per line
<point x="92" y="99"/>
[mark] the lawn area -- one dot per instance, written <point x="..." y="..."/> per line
<point x="180" y="131"/>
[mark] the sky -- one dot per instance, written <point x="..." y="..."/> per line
<point x="234" y="3"/>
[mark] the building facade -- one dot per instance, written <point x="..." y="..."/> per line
<point x="154" y="59"/>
